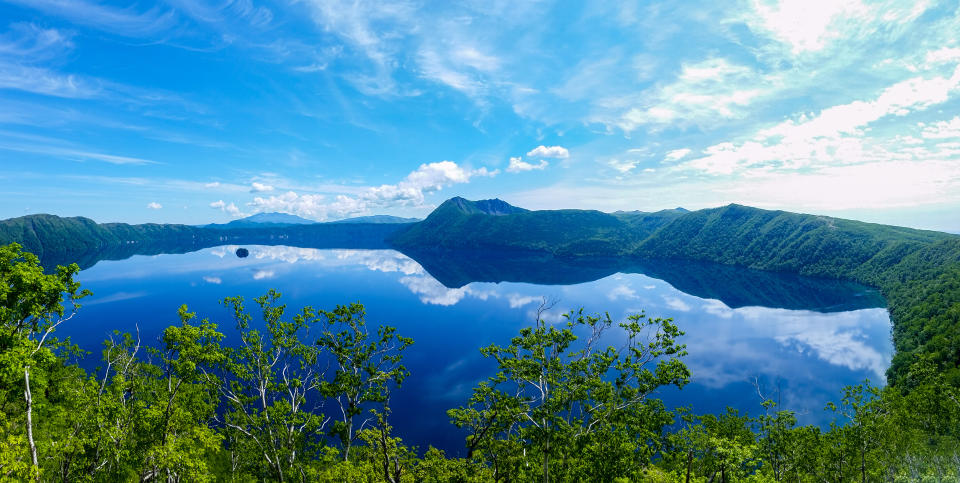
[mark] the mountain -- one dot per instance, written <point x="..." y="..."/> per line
<point x="60" y="241"/>
<point x="377" y="219"/>
<point x="917" y="271"/>
<point x="262" y="220"/>
<point x="495" y="224"/>
<point x="277" y="218"/>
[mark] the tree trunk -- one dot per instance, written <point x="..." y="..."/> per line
<point x="546" y="455"/>
<point x="29" y="399"/>
<point x="348" y="440"/>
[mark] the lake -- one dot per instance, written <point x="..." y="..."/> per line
<point x="800" y="339"/>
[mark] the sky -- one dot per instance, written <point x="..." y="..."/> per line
<point x="199" y="111"/>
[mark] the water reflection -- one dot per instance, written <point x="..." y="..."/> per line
<point x="813" y="336"/>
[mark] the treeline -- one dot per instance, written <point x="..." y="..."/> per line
<point x="918" y="271"/>
<point x="61" y="241"/>
<point x="282" y="395"/>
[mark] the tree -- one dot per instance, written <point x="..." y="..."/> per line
<point x="270" y="388"/>
<point x="32" y="306"/>
<point x="366" y="367"/>
<point x="559" y="397"/>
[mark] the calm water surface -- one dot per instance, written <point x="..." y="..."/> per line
<point x="809" y="338"/>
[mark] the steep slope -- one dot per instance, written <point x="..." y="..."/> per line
<point x="463" y="224"/>
<point x="782" y="241"/>
<point x="45" y="235"/>
<point x="917" y="271"/>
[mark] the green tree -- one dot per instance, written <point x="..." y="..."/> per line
<point x="270" y="386"/>
<point x="32" y="305"/>
<point x="556" y="397"/>
<point x="366" y="366"/>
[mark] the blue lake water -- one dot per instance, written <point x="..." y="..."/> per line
<point x="801" y="339"/>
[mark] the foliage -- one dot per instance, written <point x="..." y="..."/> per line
<point x="563" y="404"/>
<point x="574" y="408"/>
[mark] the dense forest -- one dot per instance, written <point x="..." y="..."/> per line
<point x="61" y="241"/>
<point x="917" y="271"/>
<point x="304" y="395"/>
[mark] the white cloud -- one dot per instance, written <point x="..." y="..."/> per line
<point x="517" y="165"/>
<point x="702" y="92"/>
<point x="835" y="135"/>
<point x="153" y="205"/>
<point x="427" y="178"/>
<point x="230" y="208"/>
<point x="676" y="154"/>
<point x="460" y="64"/>
<point x="874" y="185"/>
<point x="433" y="292"/>
<point x="622" y="292"/>
<point x="290" y="202"/>
<point x="260" y="187"/>
<point x="816" y="26"/>
<point x="263" y="274"/>
<point x="382" y="261"/>
<point x="213" y="280"/>
<point x="807" y="25"/>
<point x="941" y="130"/>
<point x="517" y="301"/>
<point x="214" y="184"/>
<point x="373" y="29"/>
<point x="542" y="151"/>
<point x="942" y="55"/>
<point x="676" y="304"/>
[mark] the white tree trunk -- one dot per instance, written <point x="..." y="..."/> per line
<point x="29" y="399"/>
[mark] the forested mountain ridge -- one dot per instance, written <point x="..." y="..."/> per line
<point x="195" y="409"/>
<point x="459" y="224"/>
<point x="918" y="271"/>
<point x="61" y="240"/>
<point x="43" y="234"/>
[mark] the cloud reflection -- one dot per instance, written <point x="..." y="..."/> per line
<point x="726" y="345"/>
<point x="735" y="347"/>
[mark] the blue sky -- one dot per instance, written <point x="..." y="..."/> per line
<point x="192" y="111"/>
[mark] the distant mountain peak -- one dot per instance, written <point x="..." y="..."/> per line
<point x="276" y="217"/>
<point x="495" y="206"/>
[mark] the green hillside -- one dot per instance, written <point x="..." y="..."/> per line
<point x="918" y="271"/>
<point x="61" y="241"/>
<point x="459" y="224"/>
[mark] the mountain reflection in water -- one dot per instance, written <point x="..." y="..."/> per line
<point x="809" y="337"/>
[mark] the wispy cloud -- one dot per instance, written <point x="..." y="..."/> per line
<point x="834" y="136"/>
<point x="31" y="43"/>
<point x="127" y="22"/>
<point x="73" y="154"/>
<point x="702" y="92"/>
